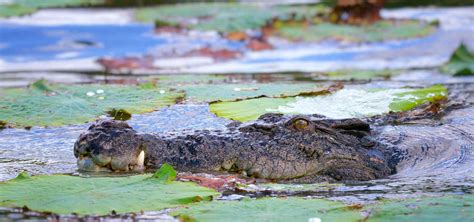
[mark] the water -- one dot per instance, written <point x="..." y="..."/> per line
<point x="435" y="171"/>
<point x="66" y="47"/>
<point x="49" y="150"/>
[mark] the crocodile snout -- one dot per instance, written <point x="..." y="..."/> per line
<point x="110" y="146"/>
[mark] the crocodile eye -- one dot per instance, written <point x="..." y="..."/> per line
<point x="301" y="124"/>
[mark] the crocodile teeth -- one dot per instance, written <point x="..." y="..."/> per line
<point x="141" y="159"/>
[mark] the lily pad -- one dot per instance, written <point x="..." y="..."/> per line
<point x="173" y="80"/>
<point x="461" y="62"/>
<point x="65" y="194"/>
<point x="360" y="74"/>
<point x="226" y="92"/>
<point x="56" y="105"/>
<point x="447" y="208"/>
<point x="379" y="31"/>
<point x="249" y="109"/>
<point x="270" y="209"/>
<point x="288" y="188"/>
<point x="345" y="103"/>
<point x="224" y="17"/>
<point x="9" y="10"/>
<point x="23" y="7"/>
<point x="408" y="100"/>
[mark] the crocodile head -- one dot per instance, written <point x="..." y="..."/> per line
<point x="109" y="146"/>
<point x="275" y="146"/>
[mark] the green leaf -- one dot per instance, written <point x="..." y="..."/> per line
<point x="57" y="3"/>
<point x="270" y="209"/>
<point x="23" y="175"/>
<point x="345" y="103"/>
<point x="379" y="31"/>
<point x="249" y="109"/>
<point x="41" y="85"/>
<point x="64" y="194"/>
<point x="288" y="188"/>
<point x="24" y="7"/>
<point x="446" y="208"/>
<point x="408" y="100"/>
<point x="119" y="114"/>
<point x="228" y="92"/>
<point x="77" y="104"/>
<point x="461" y="62"/>
<point x="223" y="17"/>
<point x="9" y="10"/>
<point x="360" y="74"/>
<point x="166" y="173"/>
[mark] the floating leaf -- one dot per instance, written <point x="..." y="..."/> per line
<point x="379" y="31"/>
<point x="9" y="10"/>
<point x="166" y="173"/>
<point x="224" y="17"/>
<point x="41" y="85"/>
<point x="226" y="92"/>
<point x="288" y="188"/>
<point x="119" y="114"/>
<point x="64" y="194"/>
<point x="77" y="104"/>
<point x="270" y="209"/>
<point x="408" y="100"/>
<point x="447" y="208"/>
<point x="360" y="74"/>
<point x="249" y="109"/>
<point x="23" y="175"/>
<point x="461" y="62"/>
<point x="23" y="7"/>
<point x="346" y="103"/>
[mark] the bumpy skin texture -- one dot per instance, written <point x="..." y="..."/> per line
<point x="304" y="148"/>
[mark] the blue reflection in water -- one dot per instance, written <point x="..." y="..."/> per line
<point x="20" y="43"/>
<point x="29" y="43"/>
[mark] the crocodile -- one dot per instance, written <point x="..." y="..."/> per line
<point x="296" y="148"/>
